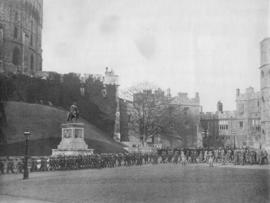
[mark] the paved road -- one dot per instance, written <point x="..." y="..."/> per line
<point x="158" y="183"/>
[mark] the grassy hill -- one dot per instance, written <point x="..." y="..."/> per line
<point x="44" y="123"/>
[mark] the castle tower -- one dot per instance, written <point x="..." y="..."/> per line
<point x="113" y="79"/>
<point x="265" y="93"/>
<point x="20" y="36"/>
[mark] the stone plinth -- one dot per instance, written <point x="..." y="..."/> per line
<point x="72" y="142"/>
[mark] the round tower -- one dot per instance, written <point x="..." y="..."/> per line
<point x="20" y="36"/>
<point x="265" y="93"/>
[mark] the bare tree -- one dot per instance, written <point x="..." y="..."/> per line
<point x="150" y="112"/>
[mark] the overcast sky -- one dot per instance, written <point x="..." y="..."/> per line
<point x="209" y="46"/>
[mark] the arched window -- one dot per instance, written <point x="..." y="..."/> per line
<point x="1" y="33"/>
<point x="15" y="34"/>
<point x="31" y="35"/>
<point x="16" y="56"/>
<point x="16" y="16"/>
<point x="262" y="74"/>
<point x="31" y="39"/>
<point x="32" y="62"/>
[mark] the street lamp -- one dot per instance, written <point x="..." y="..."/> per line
<point x="25" y="171"/>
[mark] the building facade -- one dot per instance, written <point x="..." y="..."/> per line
<point x="247" y="120"/>
<point x="209" y="126"/>
<point x="191" y="109"/>
<point x="20" y="36"/>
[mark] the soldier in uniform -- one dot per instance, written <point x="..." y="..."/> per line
<point x="175" y="157"/>
<point x="10" y="166"/>
<point x="211" y="159"/>
<point x="264" y="157"/>
<point x="223" y="156"/>
<point x="2" y="166"/>
<point x="33" y="165"/>
<point x="205" y="156"/>
<point x="183" y="158"/>
<point x="241" y="157"/>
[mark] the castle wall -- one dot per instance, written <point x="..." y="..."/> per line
<point x="20" y="36"/>
<point x="247" y="121"/>
<point x="265" y="92"/>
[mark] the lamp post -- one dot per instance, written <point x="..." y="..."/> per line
<point x="25" y="171"/>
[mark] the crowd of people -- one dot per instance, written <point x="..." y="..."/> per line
<point x="162" y="156"/>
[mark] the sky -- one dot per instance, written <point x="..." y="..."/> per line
<point x="210" y="46"/>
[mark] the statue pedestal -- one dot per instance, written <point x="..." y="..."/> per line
<point x="72" y="143"/>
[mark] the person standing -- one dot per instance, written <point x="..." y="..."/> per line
<point x="211" y="159"/>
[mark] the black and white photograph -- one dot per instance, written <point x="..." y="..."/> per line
<point x="144" y="101"/>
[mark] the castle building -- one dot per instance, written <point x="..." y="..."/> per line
<point x="239" y="128"/>
<point x="20" y="36"/>
<point x="192" y="109"/>
<point x="248" y="118"/>
<point x="111" y="78"/>
<point x="249" y="125"/>
<point x="265" y="93"/>
<point x="209" y="126"/>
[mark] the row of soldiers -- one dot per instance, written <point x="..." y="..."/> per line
<point x="241" y="156"/>
<point x="183" y="156"/>
<point x="15" y="165"/>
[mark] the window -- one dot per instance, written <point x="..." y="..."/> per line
<point x="15" y="34"/>
<point x="16" y="16"/>
<point x="16" y="56"/>
<point x="32" y="62"/>
<point x="186" y="110"/>
<point x="241" y="124"/>
<point x="104" y="92"/>
<point x="31" y="35"/>
<point x="262" y="74"/>
<point x="1" y="33"/>
<point x="31" y="39"/>
<point x="241" y="109"/>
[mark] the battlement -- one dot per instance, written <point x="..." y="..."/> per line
<point x="249" y="94"/>
<point x="208" y="116"/>
<point x="110" y="78"/>
<point x="183" y="99"/>
<point x="226" y="114"/>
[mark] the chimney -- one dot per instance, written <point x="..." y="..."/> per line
<point x="168" y="92"/>
<point x="237" y="92"/>
<point x="220" y="107"/>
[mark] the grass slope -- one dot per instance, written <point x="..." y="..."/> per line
<point x="44" y="122"/>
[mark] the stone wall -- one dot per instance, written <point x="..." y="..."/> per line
<point x="20" y="36"/>
<point x="209" y="126"/>
<point x="265" y="92"/>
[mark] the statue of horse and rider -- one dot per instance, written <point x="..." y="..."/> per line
<point x="73" y="112"/>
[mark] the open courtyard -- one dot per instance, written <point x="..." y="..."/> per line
<point x="147" y="183"/>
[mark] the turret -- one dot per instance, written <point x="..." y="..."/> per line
<point x="265" y="92"/>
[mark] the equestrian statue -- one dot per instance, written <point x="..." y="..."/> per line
<point x="73" y="112"/>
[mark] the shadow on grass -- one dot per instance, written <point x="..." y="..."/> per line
<point x="43" y="147"/>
